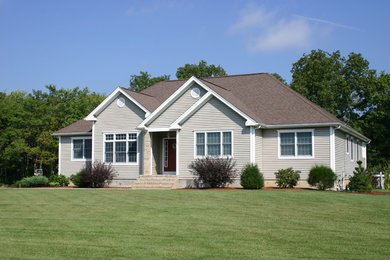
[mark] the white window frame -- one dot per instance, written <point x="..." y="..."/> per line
<point x="296" y="156"/>
<point x="127" y="140"/>
<point x="357" y="151"/>
<point x="351" y="150"/>
<point x="348" y="139"/>
<point x="221" y="145"/>
<point x="72" y="153"/>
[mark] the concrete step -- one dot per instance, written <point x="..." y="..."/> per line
<point x="149" y="182"/>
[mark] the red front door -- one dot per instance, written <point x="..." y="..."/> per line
<point x="170" y="155"/>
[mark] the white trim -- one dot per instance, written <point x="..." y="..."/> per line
<point x="177" y="151"/>
<point x="59" y="155"/>
<point x="196" y="106"/>
<point x="181" y="90"/>
<point x="221" y="144"/>
<point x="93" y="142"/>
<point x="332" y="148"/>
<point x="161" y="129"/>
<point x="109" y="99"/>
<point x="352" y="157"/>
<point x="71" y="149"/>
<point x="113" y="147"/>
<point x="74" y="133"/>
<point x="163" y="155"/>
<point x="252" y="145"/>
<point x="296" y="156"/>
<point x="151" y="153"/>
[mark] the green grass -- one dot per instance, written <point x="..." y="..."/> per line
<point x="378" y="190"/>
<point x="192" y="224"/>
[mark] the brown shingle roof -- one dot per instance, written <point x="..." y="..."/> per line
<point x="81" y="126"/>
<point x="261" y="96"/>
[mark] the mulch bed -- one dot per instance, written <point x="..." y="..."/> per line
<point x="227" y="188"/>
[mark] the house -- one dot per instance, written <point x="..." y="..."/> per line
<point x="253" y="118"/>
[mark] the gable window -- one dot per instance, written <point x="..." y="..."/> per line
<point x="296" y="144"/>
<point x="213" y="143"/>
<point x="81" y="148"/>
<point x="120" y="148"/>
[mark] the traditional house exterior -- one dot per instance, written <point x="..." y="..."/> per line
<point x="253" y="118"/>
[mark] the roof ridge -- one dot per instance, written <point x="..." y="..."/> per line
<point x="235" y="75"/>
<point x="309" y="102"/>
<point x="126" y="89"/>
<point x="215" y="84"/>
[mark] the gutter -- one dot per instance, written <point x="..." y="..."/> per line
<point x="343" y="128"/>
<point x="74" y="133"/>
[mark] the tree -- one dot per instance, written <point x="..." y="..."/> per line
<point x="200" y="70"/>
<point x="276" y="75"/>
<point x="349" y="89"/>
<point x="144" y="80"/>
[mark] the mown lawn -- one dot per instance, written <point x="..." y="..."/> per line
<point x="192" y="224"/>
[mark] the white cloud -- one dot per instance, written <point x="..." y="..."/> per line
<point x="284" y="35"/>
<point x="270" y="31"/>
<point x="328" y="22"/>
<point x="252" y="16"/>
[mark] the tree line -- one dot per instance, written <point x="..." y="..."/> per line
<point x="345" y="86"/>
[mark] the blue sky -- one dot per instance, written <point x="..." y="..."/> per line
<point x="99" y="44"/>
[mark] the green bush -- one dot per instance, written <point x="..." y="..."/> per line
<point x="34" y="181"/>
<point x="213" y="172"/>
<point x="287" y="178"/>
<point x="96" y="175"/>
<point x="78" y="179"/>
<point x="54" y="184"/>
<point x="322" y="177"/>
<point x="251" y="177"/>
<point x="361" y="180"/>
<point x="62" y="180"/>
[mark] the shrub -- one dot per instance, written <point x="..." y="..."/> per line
<point x="54" y="184"/>
<point x="361" y="180"/>
<point x="322" y="177"/>
<point x="78" y="179"/>
<point x="287" y="178"/>
<point x="213" y="172"/>
<point x="251" y="177"/>
<point x="33" y="181"/>
<point x="99" y="175"/>
<point x="62" y="180"/>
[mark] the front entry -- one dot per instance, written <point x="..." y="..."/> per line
<point x="169" y="156"/>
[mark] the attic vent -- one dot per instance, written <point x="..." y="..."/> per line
<point x="121" y="102"/>
<point x="195" y="93"/>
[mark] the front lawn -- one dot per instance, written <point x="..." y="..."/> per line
<point x="190" y="224"/>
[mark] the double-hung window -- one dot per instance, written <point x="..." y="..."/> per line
<point x="213" y="143"/>
<point x="296" y="144"/>
<point x="81" y="148"/>
<point x="120" y="148"/>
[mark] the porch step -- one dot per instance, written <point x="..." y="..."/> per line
<point x="156" y="182"/>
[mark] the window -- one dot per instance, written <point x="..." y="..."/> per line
<point x="297" y="143"/>
<point x="120" y="148"/>
<point x="357" y="151"/>
<point x="81" y="148"/>
<point x="213" y="143"/>
<point x="351" y="149"/>
<point x="347" y="144"/>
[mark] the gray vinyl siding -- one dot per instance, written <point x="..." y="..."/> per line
<point x="271" y="162"/>
<point x="259" y="148"/>
<point x="181" y="105"/>
<point x="344" y="164"/>
<point x="115" y="119"/>
<point x="214" y="115"/>
<point x="69" y="167"/>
